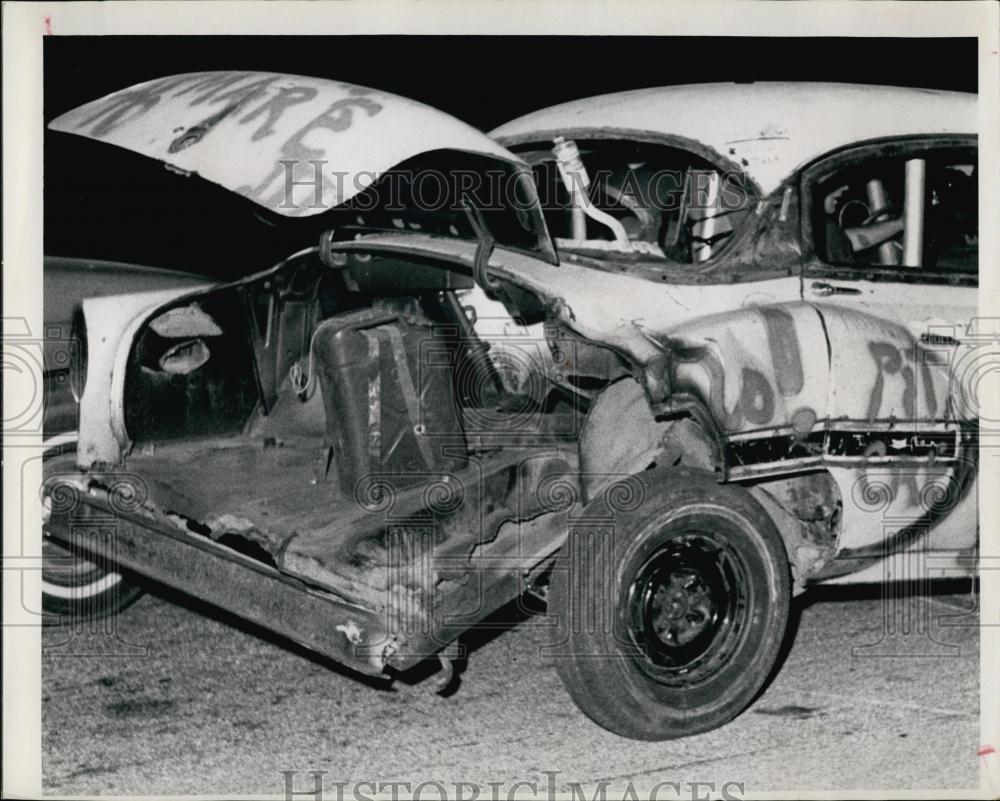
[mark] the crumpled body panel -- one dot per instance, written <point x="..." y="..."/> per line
<point x="755" y="368"/>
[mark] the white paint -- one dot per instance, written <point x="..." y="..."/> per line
<point x="610" y="308"/>
<point x="351" y="631"/>
<point x="941" y="565"/>
<point x="368" y="133"/>
<point x="112" y="323"/>
<point x="913" y="226"/>
<point x="773" y="127"/>
<point x="940" y="309"/>
<point x="889" y="506"/>
<point x="104" y="583"/>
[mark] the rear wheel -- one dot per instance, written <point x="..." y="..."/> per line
<point x="77" y="587"/>
<point x="670" y="618"/>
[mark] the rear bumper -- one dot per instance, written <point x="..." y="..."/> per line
<point x="253" y="590"/>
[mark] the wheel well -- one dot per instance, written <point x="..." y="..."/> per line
<point x="622" y="436"/>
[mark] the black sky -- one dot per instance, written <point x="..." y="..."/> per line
<point x="91" y="190"/>
<point x="487" y="80"/>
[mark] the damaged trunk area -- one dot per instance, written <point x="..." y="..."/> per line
<point x="343" y="427"/>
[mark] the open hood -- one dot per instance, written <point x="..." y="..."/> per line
<point x="295" y="145"/>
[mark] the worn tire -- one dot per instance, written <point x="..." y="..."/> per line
<point x="76" y="588"/>
<point x="669" y="615"/>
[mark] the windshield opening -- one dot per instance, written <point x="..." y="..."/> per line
<point x="429" y="193"/>
<point x="637" y="200"/>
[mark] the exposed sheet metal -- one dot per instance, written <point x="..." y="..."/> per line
<point x="616" y="309"/>
<point x="245" y="130"/>
<point x="256" y="592"/>
<point x="185" y="321"/>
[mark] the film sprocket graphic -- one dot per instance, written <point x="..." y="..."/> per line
<point x="973" y="362"/>
<point x="36" y="375"/>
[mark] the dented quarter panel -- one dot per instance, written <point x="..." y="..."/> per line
<point x="236" y="128"/>
<point x="777" y="353"/>
<point x="766" y="368"/>
<point x="880" y="372"/>
<point x="614" y="309"/>
<point x="886" y="383"/>
<point x="755" y="368"/>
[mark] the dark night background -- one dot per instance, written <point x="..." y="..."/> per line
<point x="90" y="189"/>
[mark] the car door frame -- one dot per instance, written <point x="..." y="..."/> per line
<point x="951" y="531"/>
<point x="815" y="270"/>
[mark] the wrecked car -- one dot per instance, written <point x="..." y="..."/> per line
<point x="700" y="358"/>
<point x="72" y="584"/>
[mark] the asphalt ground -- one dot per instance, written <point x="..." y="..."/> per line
<point x="170" y="699"/>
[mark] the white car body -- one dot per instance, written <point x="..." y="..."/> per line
<point x="796" y="353"/>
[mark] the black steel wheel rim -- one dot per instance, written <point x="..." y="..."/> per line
<point x="686" y="608"/>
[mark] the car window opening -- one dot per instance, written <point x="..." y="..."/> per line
<point x="915" y="213"/>
<point x="577" y="182"/>
<point x="637" y="200"/>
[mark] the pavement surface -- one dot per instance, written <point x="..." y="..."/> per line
<point x="167" y="699"/>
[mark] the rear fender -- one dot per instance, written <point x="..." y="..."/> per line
<point x="112" y="324"/>
<point x="622" y="435"/>
<point x="756" y="368"/>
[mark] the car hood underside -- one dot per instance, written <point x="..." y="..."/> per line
<point x="268" y="136"/>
